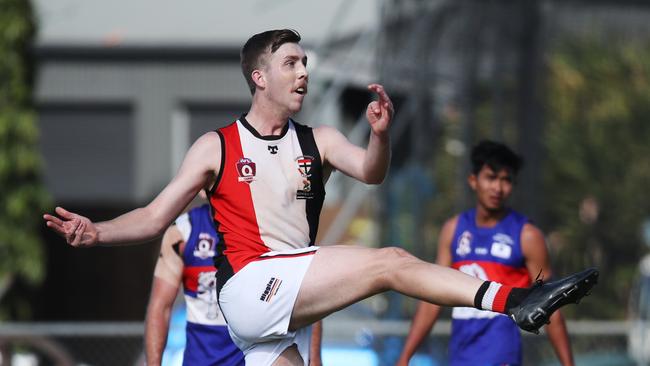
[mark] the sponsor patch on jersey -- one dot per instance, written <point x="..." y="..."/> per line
<point x="501" y="246"/>
<point x="205" y="247"/>
<point x="304" y="168"/>
<point x="246" y="170"/>
<point x="271" y="289"/>
<point x="305" y="193"/>
<point x="464" y="244"/>
<point x="501" y="250"/>
<point x="503" y="238"/>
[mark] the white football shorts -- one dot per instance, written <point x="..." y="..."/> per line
<point x="257" y="303"/>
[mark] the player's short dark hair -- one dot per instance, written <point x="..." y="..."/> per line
<point x="495" y="155"/>
<point x="254" y="49"/>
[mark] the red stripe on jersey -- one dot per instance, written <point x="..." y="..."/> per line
<point x="497" y="272"/>
<point x="191" y="276"/>
<point x="232" y="204"/>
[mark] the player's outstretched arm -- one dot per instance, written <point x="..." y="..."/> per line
<point x="368" y="165"/>
<point x="166" y="281"/>
<point x="198" y="170"/>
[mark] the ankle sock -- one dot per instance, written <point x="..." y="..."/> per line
<point x="497" y="297"/>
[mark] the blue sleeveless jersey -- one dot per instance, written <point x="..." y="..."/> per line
<point x="481" y="338"/>
<point x="208" y="341"/>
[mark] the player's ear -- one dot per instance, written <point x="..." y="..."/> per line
<point x="258" y="78"/>
<point x="472" y="181"/>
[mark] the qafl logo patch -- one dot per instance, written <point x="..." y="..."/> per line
<point x="246" y="170"/>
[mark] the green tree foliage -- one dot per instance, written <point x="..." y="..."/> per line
<point x="23" y="197"/>
<point x="598" y="165"/>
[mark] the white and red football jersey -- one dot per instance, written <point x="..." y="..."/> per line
<point x="268" y="195"/>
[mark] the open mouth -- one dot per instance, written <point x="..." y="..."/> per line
<point x="301" y="90"/>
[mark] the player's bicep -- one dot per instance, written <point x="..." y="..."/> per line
<point x="169" y="266"/>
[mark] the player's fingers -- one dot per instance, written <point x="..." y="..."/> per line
<point x="57" y="228"/>
<point x="384" y="100"/>
<point x="381" y="92"/>
<point x="64" y="213"/>
<point x="54" y="219"/>
<point x="374" y="107"/>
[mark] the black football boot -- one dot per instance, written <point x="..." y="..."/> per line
<point x="544" y="298"/>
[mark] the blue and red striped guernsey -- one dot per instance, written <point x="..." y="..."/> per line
<point x="269" y="193"/>
<point x="198" y="277"/>
<point x="207" y="339"/>
<point x="492" y="254"/>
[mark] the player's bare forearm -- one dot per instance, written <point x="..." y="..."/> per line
<point x="156" y="330"/>
<point x="159" y="310"/>
<point x="559" y="338"/>
<point x="377" y="158"/>
<point x="135" y="226"/>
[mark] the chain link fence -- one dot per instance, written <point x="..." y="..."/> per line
<point x="68" y="344"/>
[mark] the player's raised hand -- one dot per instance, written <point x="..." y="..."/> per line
<point x="77" y="230"/>
<point x="379" y="112"/>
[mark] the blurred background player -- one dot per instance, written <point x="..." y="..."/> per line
<point x="496" y="243"/>
<point x="186" y="255"/>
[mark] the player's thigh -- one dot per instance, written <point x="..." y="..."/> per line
<point x="342" y="275"/>
<point x="290" y="357"/>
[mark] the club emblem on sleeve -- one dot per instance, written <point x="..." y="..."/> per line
<point x="246" y="170"/>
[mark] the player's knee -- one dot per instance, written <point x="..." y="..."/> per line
<point x="392" y="259"/>
<point x="396" y="254"/>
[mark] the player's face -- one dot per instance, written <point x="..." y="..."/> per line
<point x="286" y="77"/>
<point x="492" y="188"/>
